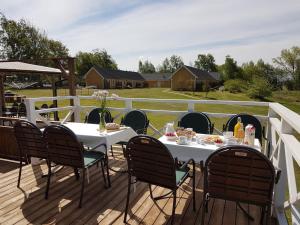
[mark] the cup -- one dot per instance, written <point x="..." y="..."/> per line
<point x="182" y="140"/>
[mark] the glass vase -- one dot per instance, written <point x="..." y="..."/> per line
<point x="102" y="123"/>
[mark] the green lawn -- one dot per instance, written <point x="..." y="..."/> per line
<point x="289" y="99"/>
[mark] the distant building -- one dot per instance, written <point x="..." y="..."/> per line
<point x="107" y="78"/>
<point x="157" y="80"/>
<point x="192" y="79"/>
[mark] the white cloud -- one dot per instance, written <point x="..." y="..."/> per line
<point x="244" y="29"/>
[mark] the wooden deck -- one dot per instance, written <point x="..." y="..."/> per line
<point x="101" y="206"/>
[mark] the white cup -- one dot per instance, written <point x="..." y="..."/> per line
<point x="182" y="140"/>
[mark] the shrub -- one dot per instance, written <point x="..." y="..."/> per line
<point x="259" y="89"/>
<point x="235" y="86"/>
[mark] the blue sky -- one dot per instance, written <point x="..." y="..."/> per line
<point x="145" y="29"/>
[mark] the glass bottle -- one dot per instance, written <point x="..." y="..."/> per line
<point x="237" y="127"/>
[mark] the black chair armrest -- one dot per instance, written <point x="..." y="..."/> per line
<point x="224" y="127"/>
<point x="190" y="161"/>
<point x="212" y="128"/>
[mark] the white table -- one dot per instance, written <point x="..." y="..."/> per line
<point x="90" y="136"/>
<point x="195" y="151"/>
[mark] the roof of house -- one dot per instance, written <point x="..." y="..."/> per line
<point x="215" y="75"/>
<point x="157" y="76"/>
<point x="118" y="74"/>
<point x="202" y="74"/>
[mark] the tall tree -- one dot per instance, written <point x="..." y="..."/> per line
<point x="86" y="60"/>
<point x="230" y="69"/>
<point x="21" y="40"/>
<point x="206" y="62"/>
<point x="289" y="62"/>
<point x="171" y="65"/>
<point x="146" y="67"/>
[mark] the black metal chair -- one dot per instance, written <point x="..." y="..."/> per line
<point x="94" y="117"/>
<point x="64" y="149"/>
<point x="240" y="174"/>
<point x="138" y="121"/>
<point x="246" y="119"/>
<point x="22" y="110"/>
<point x="14" y="109"/>
<point x="30" y="141"/>
<point x="151" y="162"/>
<point x="200" y="122"/>
<point x="45" y="106"/>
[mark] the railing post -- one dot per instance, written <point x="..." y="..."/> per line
<point x="128" y="104"/>
<point x="77" y="109"/>
<point x="191" y="107"/>
<point x="30" y="110"/>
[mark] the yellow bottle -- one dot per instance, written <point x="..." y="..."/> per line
<point x="237" y="127"/>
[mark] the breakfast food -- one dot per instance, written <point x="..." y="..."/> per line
<point x="184" y="132"/>
<point x="213" y="139"/>
<point x="171" y="136"/>
<point x="112" y="126"/>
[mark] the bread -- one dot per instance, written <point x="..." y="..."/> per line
<point x="112" y="126"/>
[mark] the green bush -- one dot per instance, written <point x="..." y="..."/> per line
<point x="235" y="86"/>
<point x="260" y="89"/>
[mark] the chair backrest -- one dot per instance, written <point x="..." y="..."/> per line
<point x="239" y="173"/>
<point x="22" y="109"/>
<point x="63" y="146"/>
<point x="198" y="121"/>
<point x="150" y="161"/>
<point x="137" y="120"/>
<point x="94" y="116"/>
<point x="30" y="139"/>
<point x="246" y="119"/>
<point x="14" y="108"/>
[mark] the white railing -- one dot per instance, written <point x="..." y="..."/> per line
<point x="282" y="127"/>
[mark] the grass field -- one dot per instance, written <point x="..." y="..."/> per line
<point x="289" y="99"/>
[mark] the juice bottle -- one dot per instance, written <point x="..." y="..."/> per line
<point x="241" y="133"/>
<point x="237" y="127"/>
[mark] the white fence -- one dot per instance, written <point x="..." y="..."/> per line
<point x="282" y="127"/>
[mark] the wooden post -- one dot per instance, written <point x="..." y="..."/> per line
<point x="71" y="81"/>
<point x="2" y="98"/>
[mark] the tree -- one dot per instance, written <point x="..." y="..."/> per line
<point x="146" y="67"/>
<point x="206" y="62"/>
<point x="86" y="60"/>
<point x="21" y="40"/>
<point x="289" y="62"/>
<point x="171" y="65"/>
<point x="230" y="69"/>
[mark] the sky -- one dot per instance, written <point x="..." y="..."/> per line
<point x="152" y="30"/>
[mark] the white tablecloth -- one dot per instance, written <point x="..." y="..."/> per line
<point x="194" y="150"/>
<point x="91" y="137"/>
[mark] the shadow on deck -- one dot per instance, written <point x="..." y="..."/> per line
<point x="102" y="206"/>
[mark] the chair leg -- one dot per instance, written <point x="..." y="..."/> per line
<point x="112" y="151"/>
<point x="174" y="206"/>
<point x="82" y="187"/>
<point x="204" y="208"/>
<point x="262" y="216"/>
<point x="194" y="187"/>
<point x="76" y="173"/>
<point x="48" y="180"/>
<point x="107" y="171"/>
<point x="268" y="215"/>
<point x="104" y="177"/>
<point x="20" y="172"/>
<point x="128" y="196"/>
<point x="150" y="190"/>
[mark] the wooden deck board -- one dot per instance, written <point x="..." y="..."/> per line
<point x="102" y="206"/>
